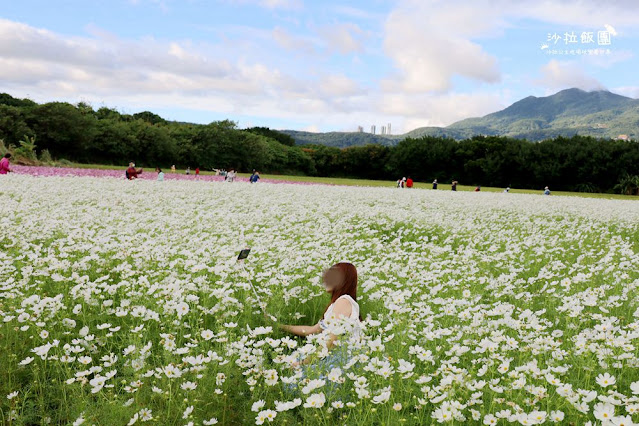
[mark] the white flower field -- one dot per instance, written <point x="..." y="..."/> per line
<point x="122" y="303"/>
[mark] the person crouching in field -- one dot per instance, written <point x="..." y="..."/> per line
<point x="341" y="318"/>
<point x="131" y="172"/>
<point x="4" y="164"/>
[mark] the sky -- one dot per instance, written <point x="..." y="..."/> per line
<point x="315" y="65"/>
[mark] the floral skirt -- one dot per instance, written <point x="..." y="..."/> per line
<point x="338" y="357"/>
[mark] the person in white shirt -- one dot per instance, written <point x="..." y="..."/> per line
<point x="342" y="315"/>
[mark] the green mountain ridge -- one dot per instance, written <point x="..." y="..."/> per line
<point x="601" y="114"/>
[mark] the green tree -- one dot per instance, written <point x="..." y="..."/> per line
<point x="282" y="138"/>
<point x="63" y="129"/>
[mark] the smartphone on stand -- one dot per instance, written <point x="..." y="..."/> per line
<point x="240" y="259"/>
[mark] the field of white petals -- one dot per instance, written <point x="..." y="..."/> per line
<point x="121" y="303"/>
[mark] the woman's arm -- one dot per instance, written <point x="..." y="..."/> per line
<point x="301" y="330"/>
<point x="342" y="308"/>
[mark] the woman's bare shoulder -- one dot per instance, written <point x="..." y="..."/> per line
<point x="342" y="306"/>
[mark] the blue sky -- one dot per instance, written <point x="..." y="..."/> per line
<point x="311" y="65"/>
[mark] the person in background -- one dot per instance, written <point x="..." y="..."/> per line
<point x="409" y="182"/>
<point x="254" y="177"/>
<point x="399" y="183"/>
<point x="435" y="184"/>
<point x="546" y="191"/>
<point x="173" y="168"/>
<point x="160" y="175"/>
<point x="477" y="188"/>
<point x="188" y="170"/>
<point x="197" y="171"/>
<point x="230" y="177"/>
<point x="507" y="189"/>
<point x="453" y="185"/>
<point x="4" y="164"/>
<point x="131" y="172"/>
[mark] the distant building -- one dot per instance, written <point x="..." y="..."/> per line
<point x="383" y="130"/>
<point x="360" y="129"/>
<point x="623" y="138"/>
<point x="388" y="129"/>
<point x="373" y="129"/>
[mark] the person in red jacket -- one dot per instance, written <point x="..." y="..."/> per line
<point x="197" y="171"/>
<point x="409" y="182"/>
<point x="131" y="172"/>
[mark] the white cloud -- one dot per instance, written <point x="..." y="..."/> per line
<point x="608" y="60"/>
<point x="354" y="12"/>
<point x="283" y="4"/>
<point x="587" y="13"/>
<point x="339" y="86"/>
<point x="430" y="42"/>
<point x="162" y="4"/>
<point x="344" y="38"/>
<point x="290" y="42"/>
<point x="271" y="4"/>
<point x="557" y="75"/>
<point x="440" y="110"/>
<point x="150" y="73"/>
<point x="630" y="91"/>
<point x="313" y="128"/>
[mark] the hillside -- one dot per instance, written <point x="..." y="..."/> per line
<point x="573" y="111"/>
<point x="341" y="139"/>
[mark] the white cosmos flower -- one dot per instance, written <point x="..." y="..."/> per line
<point x="312" y="385"/>
<point x="604" y="412"/>
<point x="382" y="397"/>
<point x="258" y="405"/>
<point x="316" y="400"/>
<point x="605" y="380"/>
<point x="26" y="361"/>
<point x="187" y="412"/>
<point x="265" y="415"/>
<point x="188" y="386"/>
<point x="171" y="371"/>
<point x="556" y="416"/>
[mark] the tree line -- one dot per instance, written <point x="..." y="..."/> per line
<point x="80" y="133"/>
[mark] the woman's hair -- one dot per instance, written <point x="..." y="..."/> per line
<point x="7" y="155"/>
<point x="348" y="285"/>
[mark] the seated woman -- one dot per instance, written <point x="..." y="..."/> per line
<point x="131" y="173"/>
<point x="341" y="316"/>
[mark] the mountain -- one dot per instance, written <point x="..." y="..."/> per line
<point x="598" y="113"/>
<point x="573" y="111"/>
